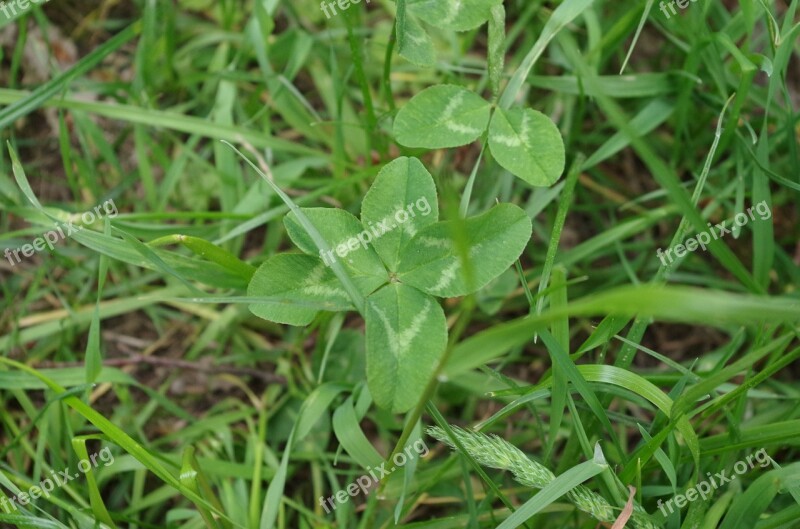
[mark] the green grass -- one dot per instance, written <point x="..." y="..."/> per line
<point x="591" y="360"/>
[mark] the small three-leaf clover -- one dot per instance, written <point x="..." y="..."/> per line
<point x="401" y="258"/>
<point x="523" y="141"/>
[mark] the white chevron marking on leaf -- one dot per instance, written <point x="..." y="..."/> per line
<point x="447" y="117"/>
<point x="399" y="342"/>
<point x="508" y="141"/>
<point x="416" y="39"/>
<point x="523" y="138"/>
<point x="311" y="285"/>
<point x="448" y="275"/>
<point x="452" y="106"/>
<point x="323" y="291"/>
<point x="462" y="129"/>
<point x="433" y="242"/>
<point x="315" y="276"/>
<point x="454" y="7"/>
<point x="409" y="229"/>
<point x="525" y="127"/>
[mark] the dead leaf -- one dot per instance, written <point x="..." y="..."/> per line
<point x="626" y="512"/>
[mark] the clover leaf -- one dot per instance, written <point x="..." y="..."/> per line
<point x="432" y="261"/>
<point x="527" y="143"/>
<point x="414" y="43"/>
<point x="406" y="338"/>
<point x="442" y="116"/>
<point x="403" y="184"/>
<point x="400" y="257"/>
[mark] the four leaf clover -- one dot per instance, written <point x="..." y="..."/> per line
<point x="400" y="263"/>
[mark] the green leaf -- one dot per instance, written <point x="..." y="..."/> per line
<point x="433" y="263"/>
<point x="440" y="117"/>
<point x="191" y="477"/>
<point x="456" y="15"/>
<point x="564" y="483"/>
<point x="403" y="197"/>
<point x="347" y="427"/>
<point x="302" y="286"/>
<point x="528" y="144"/>
<point x="682" y="304"/>
<point x="565" y="13"/>
<point x="209" y="251"/>
<point x="94" y="354"/>
<point x="406" y="338"/>
<point x="414" y="43"/>
<point x="751" y="506"/>
<point x="345" y="235"/>
<point x="95" y="497"/>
